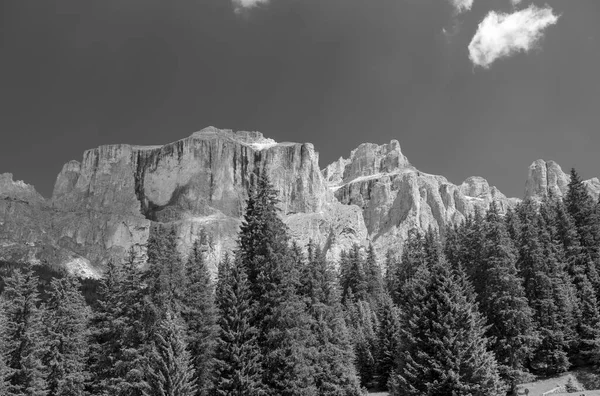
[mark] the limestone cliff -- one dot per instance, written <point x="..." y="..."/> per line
<point x="108" y="202"/>
<point x="395" y="197"/>
<point x="548" y="178"/>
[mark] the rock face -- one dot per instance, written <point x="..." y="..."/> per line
<point x="108" y="203"/>
<point x="395" y="197"/>
<point x="546" y="178"/>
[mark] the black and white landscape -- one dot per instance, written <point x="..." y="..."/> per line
<point x="312" y="257"/>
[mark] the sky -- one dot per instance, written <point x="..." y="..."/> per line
<point x="468" y="87"/>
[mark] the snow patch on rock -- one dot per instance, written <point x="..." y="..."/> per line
<point x="82" y="268"/>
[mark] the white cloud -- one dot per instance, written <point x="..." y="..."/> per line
<point x="462" y="5"/>
<point x="240" y="5"/>
<point x="501" y="35"/>
<point x="516" y="2"/>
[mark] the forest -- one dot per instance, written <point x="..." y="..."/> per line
<point x="487" y="305"/>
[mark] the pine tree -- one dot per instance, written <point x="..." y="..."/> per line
<point x="166" y="272"/>
<point x="5" y="372"/>
<point x="546" y="288"/>
<point x="334" y="358"/>
<point x="387" y="340"/>
<point x="362" y="321"/>
<point x="353" y="279"/>
<point x="444" y="349"/>
<point x="502" y="300"/>
<point x="582" y="209"/>
<point x="66" y="327"/>
<point x="23" y="339"/>
<point x="583" y="275"/>
<point x="412" y="267"/>
<point x="120" y="332"/>
<point x="237" y="367"/>
<point x="278" y="311"/>
<point x="391" y="264"/>
<point x="170" y="371"/>
<point x="373" y="276"/>
<point x="199" y="315"/>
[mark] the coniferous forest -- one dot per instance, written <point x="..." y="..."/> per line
<point x="475" y="311"/>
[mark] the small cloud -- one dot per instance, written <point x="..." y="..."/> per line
<point x="516" y="2"/>
<point x="240" y="5"/>
<point x="461" y="5"/>
<point x="501" y="35"/>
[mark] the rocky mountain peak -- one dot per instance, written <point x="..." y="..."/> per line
<point x="110" y="201"/>
<point x="18" y="190"/>
<point x="547" y="177"/>
<point x="367" y="160"/>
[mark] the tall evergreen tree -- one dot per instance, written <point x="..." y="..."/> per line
<point x="335" y="373"/>
<point x="353" y="279"/>
<point x="23" y="340"/>
<point x="503" y="301"/>
<point x="199" y="315"/>
<point x="547" y="288"/>
<point x="411" y="268"/>
<point x="5" y="372"/>
<point x="120" y="332"/>
<point x="583" y="275"/>
<point x="362" y="321"/>
<point x="582" y="209"/>
<point x="66" y="327"/>
<point x="278" y="311"/>
<point x="237" y="368"/>
<point x="444" y="349"/>
<point x="387" y="340"/>
<point x="169" y="371"/>
<point x="373" y="276"/>
<point x="166" y="272"/>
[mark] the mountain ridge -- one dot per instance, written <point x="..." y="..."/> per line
<point x="108" y="202"/>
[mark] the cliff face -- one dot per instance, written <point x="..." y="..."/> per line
<point x="107" y="203"/>
<point x="395" y="197"/>
<point x="548" y="178"/>
<point x="199" y="184"/>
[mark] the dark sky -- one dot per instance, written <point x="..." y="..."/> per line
<point x="81" y="73"/>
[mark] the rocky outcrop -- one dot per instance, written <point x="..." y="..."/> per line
<point x="108" y="202"/>
<point x="395" y="197"/>
<point x="546" y="178"/>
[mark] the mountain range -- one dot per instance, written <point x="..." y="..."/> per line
<point x="107" y="203"/>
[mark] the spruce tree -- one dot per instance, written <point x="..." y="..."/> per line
<point x="412" y="267"/>
<point x="387" y="340"/>
<point x="373" y="276"/>
<point x="5" y="372"/>
<point x="547" y="289"/>
<point x="278" y="311"/>
<point x="353" y="278"/>
<point x="237" y="366"/>
<point x="165" y="274"/>
<point x="66" y="331"/>
<point x="503" y="301"/>
<point x="335" y="373"/>
<point x="169" y="369"/>
<point x="120" y="332"/>
<point x="582" y="210"/>
<point x="198" y="313"/>
<point x="583" y="275"/>
<point x="443" y="346"/>
<point x="362" y="321"/>
<point x="22" y="340"/>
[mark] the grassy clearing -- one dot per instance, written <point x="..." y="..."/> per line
<point x="555" y="386"/>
